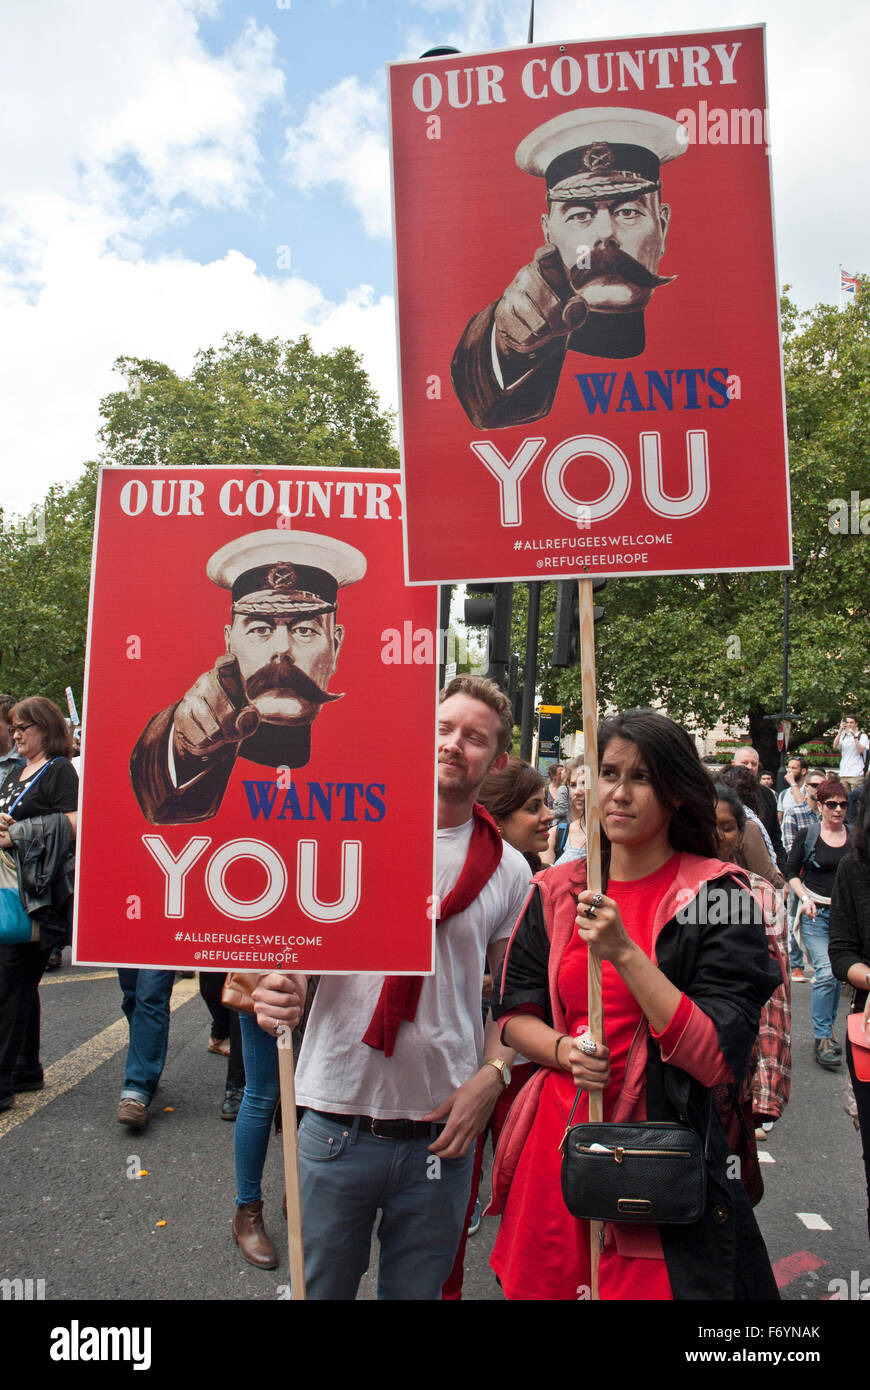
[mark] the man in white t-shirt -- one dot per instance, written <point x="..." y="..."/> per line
<point x="852" y="745"/>
<point x="397" y="1086"/>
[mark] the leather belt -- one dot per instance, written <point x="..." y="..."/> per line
<point x="385" y="1129"/>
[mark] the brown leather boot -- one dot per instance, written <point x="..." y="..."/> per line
<point x="251" y="1237"/>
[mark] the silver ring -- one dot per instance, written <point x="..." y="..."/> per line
<point x="597" y="900"/>
<point x="278" y="1026"/>
<point x="587" y="1045"/>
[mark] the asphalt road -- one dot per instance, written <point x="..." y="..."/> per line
<point x="75" y="1215"/>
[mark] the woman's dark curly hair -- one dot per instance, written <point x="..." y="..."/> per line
<point x="745" y="785"/>
<point x="679" y="778"/>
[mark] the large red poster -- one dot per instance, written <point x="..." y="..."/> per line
<point x="258" y="785"/>
<point x="591" y="373"/>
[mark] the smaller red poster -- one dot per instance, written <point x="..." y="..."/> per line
<point x="258" y="771"/>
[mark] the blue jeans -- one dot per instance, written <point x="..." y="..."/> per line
<point x="826" y="989"/>
<point x="346" y="1177"/>
<point x="254" y="1120"/>
<point x="145" y="1005"/>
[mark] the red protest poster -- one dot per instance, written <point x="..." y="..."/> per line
<point x="258" y="779"/>
<point x="588" y="320"/>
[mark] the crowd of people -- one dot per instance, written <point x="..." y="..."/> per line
<point x="401" y="1081"/>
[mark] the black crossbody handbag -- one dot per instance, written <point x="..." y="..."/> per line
<point x="651" y="1171"/>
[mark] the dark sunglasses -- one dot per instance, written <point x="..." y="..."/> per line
<point x="836" y="805"/>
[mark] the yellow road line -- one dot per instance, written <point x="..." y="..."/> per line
<point x="76" y="1065"/>
<point x="79" y="975"/>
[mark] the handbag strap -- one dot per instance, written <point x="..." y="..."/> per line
<point x="580" y="1092"/>
<point x="573" y="1108"/>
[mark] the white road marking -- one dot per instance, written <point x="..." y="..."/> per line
<point x="813" y="1221"/>
<point x="62" y="1075"/>
<point x="78" y="978"/>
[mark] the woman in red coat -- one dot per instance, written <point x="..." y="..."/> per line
<point x="685" y="972"/>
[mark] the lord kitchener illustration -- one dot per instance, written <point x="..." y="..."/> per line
<point x="587" y="289"/>
<point x="262" y="695"/>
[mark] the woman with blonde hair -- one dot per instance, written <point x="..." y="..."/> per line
<point x="567" y="839"/>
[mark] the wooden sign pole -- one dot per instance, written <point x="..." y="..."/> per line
<point x="296" y="1248"/>
<point x="593" y="857"/>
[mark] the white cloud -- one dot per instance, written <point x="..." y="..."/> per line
<point x="343" y="141"/>
<point x="192" y="124"/>
<point x="127" y="110"/>
<point x="119" y="79"/>
<point x="57" y="350"/>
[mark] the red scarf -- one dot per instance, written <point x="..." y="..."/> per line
<point x="400" y="994"/>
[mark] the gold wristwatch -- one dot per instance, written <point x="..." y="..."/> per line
<point x="502" y="1068"/>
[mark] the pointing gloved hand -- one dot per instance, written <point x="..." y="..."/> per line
<point x="214" y="713"/>
<point x="538" y="306"/>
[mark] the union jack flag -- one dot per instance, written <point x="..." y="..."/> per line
<point x="849" y="284"/>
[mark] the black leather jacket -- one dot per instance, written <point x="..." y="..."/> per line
<point x="46" y="873"/>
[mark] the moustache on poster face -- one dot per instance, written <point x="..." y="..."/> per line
<point x="282" y="674"/>
<point x="610" y="260"/>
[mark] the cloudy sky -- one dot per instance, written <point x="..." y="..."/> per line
<point x="177" y="169"/>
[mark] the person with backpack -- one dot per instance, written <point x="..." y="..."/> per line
<point x="568" y="835"/>
<point x="813" y="861"/>
<point x="797" y="818"/>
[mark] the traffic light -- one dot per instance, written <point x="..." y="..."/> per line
<point x="566" y="636"/>
<point x="490" y="607"/>
<point x="597" y="612"/>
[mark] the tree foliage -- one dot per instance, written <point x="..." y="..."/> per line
<point x="710" y="647"/>
<point x="46" y="563"/>
<point x="251" y="401"/>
